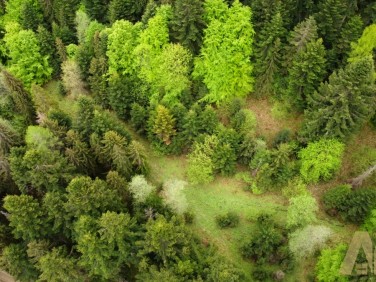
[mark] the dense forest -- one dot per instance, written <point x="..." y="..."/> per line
<point x="186" y="140"/>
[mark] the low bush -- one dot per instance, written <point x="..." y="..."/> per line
<point x="227" y="220"/>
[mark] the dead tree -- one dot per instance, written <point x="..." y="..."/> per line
<point x="358" y="181"/>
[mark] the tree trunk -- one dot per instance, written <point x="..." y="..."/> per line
<point x="357" y="181"/>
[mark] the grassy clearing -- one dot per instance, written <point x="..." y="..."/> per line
<point x="228" y="194"/>
<point x="270" y="119"/>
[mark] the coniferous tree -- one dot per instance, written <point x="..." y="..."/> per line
<point x="126" y="9"/>
<point x="97" y="9"/>
<point x="187" y="23"/>
<point x="31" y="15"/>
<point x="64" y="14"/>
<point x="343" y="104"/>
<point x="164" y="124"/>
<point x="48" y="48"/>
<point x="268" y="54"/>
<point x="21" y="97"/>
<point x="307" y="71"/>
<point x="350" y="32"/>
<point x="330" y="20"/>
<point x="299" y="37"/>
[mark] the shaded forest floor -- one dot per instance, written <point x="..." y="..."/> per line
<point x="229" y="194"/>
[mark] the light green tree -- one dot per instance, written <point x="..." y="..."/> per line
<point x="321" y="160"/>
<point x="122" y="40"/>
<point x="26" y="217"/>
<point x="26" y="61"/>
<point x="164" y="124"/>
<point x="224" y="61"/>
<point x="329" y="264"/>
<point x="301" y="211"/>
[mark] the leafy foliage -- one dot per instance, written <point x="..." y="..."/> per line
<point x="224" y="63"/>
<point x="301" y="211"/>
<point x="227" y="220"/>
<point x="321" y="160"/>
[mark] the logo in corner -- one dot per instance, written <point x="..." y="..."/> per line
<point x="361" y="240"/>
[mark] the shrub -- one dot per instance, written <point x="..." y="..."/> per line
<point x="60" y="117"/>
<point x="335" y="198"/>
<point x="358" y="205"/>
<point x="140" y="188"/>
<point x="173" y="194"/>
<point x="227" y="220"/>
<point x="224" y="159"/>
<point x="261" y="274"/>
<point x="354" y="206"/>
<point x="139" y="117"/>
<point x="244" y="121"/>
<point x="249" y="146"/>
<point x="295" y="187"/>
<point x="301" y="211"/>
<point x="283" y="136"/>
<point x="305" y="242"/>
<point x="321" y="160"/>
<point x="265" y="242"/>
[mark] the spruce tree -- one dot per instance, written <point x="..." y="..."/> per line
<point x="351" y="32"/>
<point x="126" y="9"/>
<point x="21" y="97"/>
<point x="344" y="103"/>
<point x="96" y="9"/>
<point x="303" y="33"/>
<point x="268" y="54"/>
<point x="330" y="20"/>
<point x="307" y="71"/>
<point x="187" y="24"/>
<point x="164" y="124"/>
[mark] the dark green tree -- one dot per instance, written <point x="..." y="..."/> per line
<point x="31" y="15"/>
<point x="21" y="97"/>
<point x="344" y="103"/>
<point x="97" y="9"/>
<point x="268" y="54"/>
<point x="187" y="24"/>
<point x="306" y="72"/>
<point x="126" y="9"/>
<point x="48" y="48"/>
<point x="302" y="34"/>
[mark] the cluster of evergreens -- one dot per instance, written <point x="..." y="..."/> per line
<point x="78" y="202"/>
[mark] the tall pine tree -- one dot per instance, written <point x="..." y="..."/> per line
<point x="187" y="23"/>
<point x="307" y="71"/>
<point x="268" y="54"/>
<point x="343" y="104"/>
